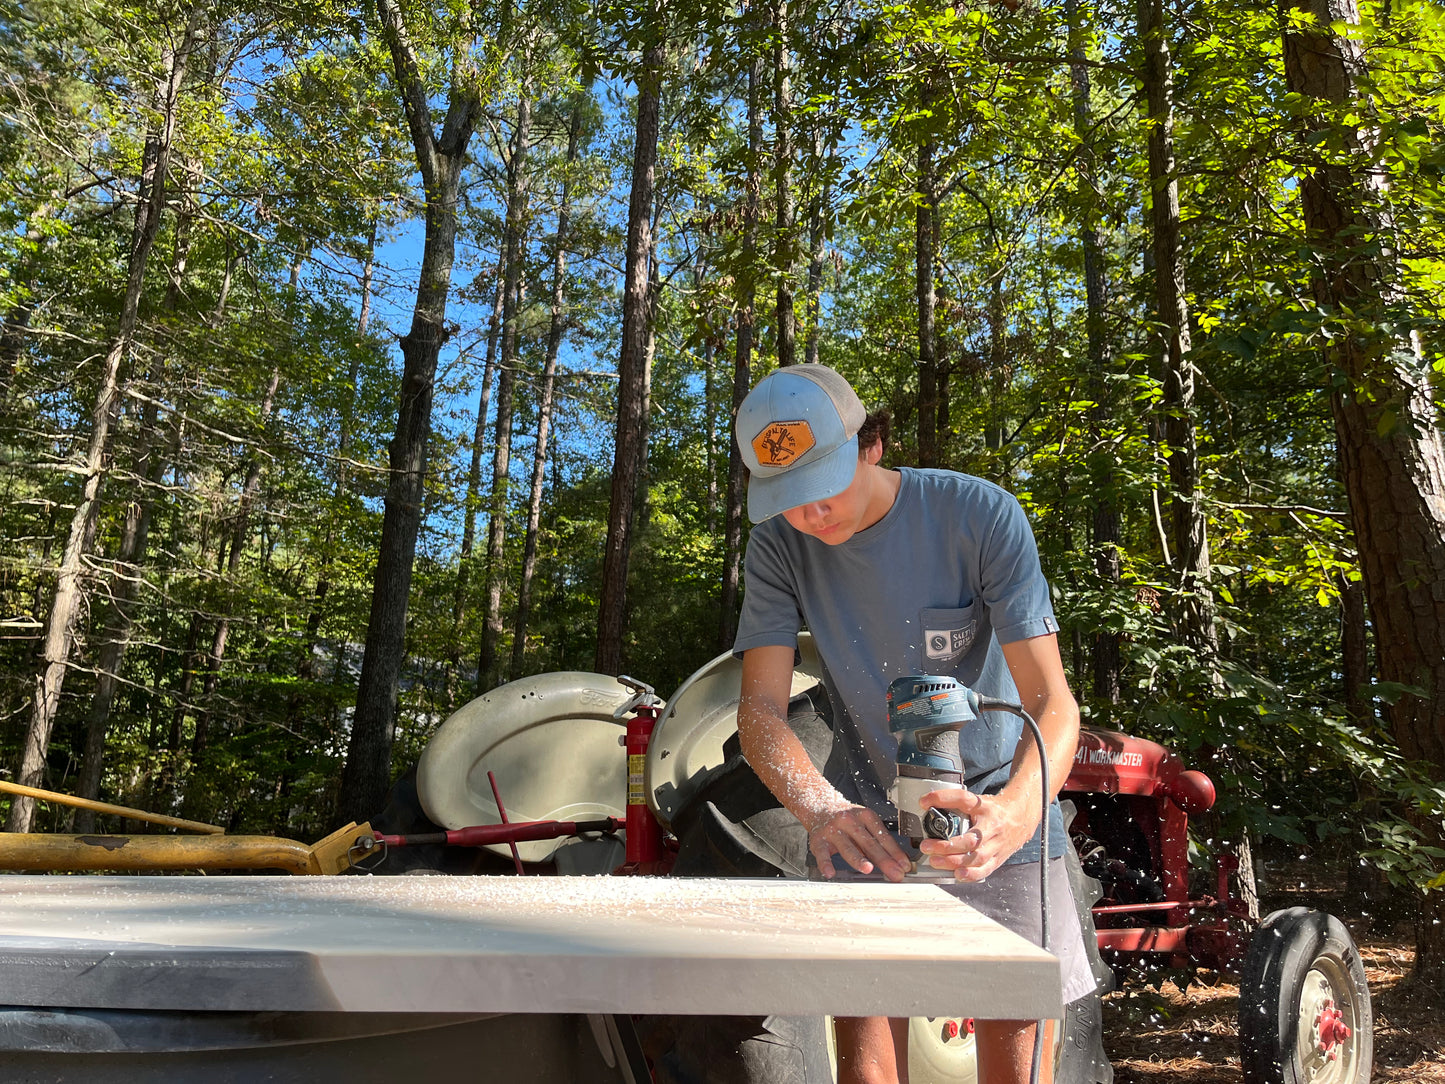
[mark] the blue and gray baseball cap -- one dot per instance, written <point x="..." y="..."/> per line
<point x="798" y="434"/>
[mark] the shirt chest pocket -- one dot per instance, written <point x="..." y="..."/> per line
<point x="949" y="633"/>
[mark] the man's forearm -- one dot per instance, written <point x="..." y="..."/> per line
<point x="1059" y="725"/>
<point x="783" y="765"/>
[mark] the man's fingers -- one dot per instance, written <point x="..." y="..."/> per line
<point x="823" y="852"/>
<point x="860" y="838"/>
<point x="882" y="838"/>
<point x="836" y="837"/>
<point x="964" y="852"/>
<point x="967" y="841"/>
<point x="852" y="854"/>
<point x="959" y="798"/>
<point x="965" y="867"/>
<point x="977" y="872"/>
<point x="887" y="856"/>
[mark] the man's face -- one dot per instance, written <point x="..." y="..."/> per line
<point x="838" y="518"/>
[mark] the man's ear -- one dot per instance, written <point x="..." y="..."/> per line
<point x="873" y="453"/>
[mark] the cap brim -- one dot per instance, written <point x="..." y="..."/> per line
<point x="808" y="482"/>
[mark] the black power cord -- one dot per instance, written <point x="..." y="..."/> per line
<point x="988" y="703"/>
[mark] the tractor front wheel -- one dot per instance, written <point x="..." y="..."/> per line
<point x="1304" y="1005"/>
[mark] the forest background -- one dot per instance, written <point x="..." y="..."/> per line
<point x="354" y="360"/>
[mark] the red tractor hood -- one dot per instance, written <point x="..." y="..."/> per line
<point x="1110" y="762"/>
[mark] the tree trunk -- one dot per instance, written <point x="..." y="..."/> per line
<point x="465" y="559"/>
<point x="1106" y="528"/>
<point x="127" y="572"/>
<point x="709" y="399"/>
<point x="556" y="327"/>
<point x="641" y="498"/>
<point x="1190" y="533"/>
<point x="925" y="234"/>
<point x="488" y="666"/>
<point x="817" y="234"/>
<point x="742" y="364"/>
<point x="998" y="361"/>
<point x="225" y="292"/>
<point x="783" y="183"/>
<point x="306" y="667"/>
<point x="631" y="372"/>
<point x="174" y="762"/>
<point x="1354" y="650"/>
<point x="440" y="160"/>
<point x="151" y="468"/>
<point x="240" y="539"/>
<point x="1386" y="425"/>
<point x="941" y="388"/>
<point x="59" y="635"/>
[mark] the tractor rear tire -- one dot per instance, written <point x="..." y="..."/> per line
<point x="1304" y="1005"/>
<point x="738" y="1049"/>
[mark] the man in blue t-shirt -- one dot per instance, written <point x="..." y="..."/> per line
<point x="895" y="573"/>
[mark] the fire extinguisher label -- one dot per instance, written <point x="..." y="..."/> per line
<point x="636" y="793"/>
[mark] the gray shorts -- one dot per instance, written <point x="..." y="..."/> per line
<point x="1010" y="896"/>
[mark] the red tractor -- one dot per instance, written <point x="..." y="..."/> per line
<point x="1304" y="1006"/>
<point x="1304" y="1011"/>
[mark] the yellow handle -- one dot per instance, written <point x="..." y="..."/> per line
<point x="106" y="807"/>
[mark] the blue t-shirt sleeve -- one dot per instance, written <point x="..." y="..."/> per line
<point x="1011" y="578"/>
<point x="770" y="615"/>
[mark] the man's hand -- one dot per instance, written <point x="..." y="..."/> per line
<point x="998" y="826"/>
<point x="835" y="825"/>
<point x="1002" y="823"/>
<point x="859" y="837"/>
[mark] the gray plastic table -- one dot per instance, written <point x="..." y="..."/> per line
<point x="398" y="948"/>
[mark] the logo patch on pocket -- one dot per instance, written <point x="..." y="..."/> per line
<point x="948" y="643"/>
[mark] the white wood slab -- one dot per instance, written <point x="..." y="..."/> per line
<point x="513" y="944"/>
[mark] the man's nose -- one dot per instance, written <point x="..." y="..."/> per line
<point x="815" y="513"/>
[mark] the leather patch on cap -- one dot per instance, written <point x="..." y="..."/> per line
<point x="782" y="442"/>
